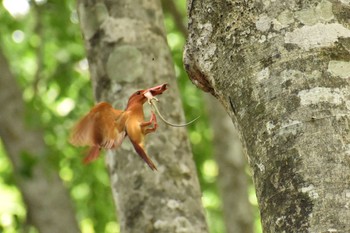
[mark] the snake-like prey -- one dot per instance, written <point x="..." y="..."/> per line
<point x="154" y="105"/>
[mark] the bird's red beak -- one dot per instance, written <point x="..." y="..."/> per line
<point x="153" y="91"/>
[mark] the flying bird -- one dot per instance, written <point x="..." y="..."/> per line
<point x="105" y="127"/>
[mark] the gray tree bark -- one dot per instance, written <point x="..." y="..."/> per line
<point x="281" y="68"/>
<point x="127" y="50"/>
<point x="48" y="204"/>
<point x="232" y="179"/>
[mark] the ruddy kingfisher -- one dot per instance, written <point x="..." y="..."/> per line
<point x="106" y="127"/>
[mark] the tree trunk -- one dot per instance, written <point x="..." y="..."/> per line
<point x="281" y="69"/>
<point x="48" y="204"/>
<point x="127" y="50"/>
<point x="232" y="179"/>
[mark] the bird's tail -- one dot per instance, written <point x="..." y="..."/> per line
<point x="143" y="155"/>
<point x="93" y="154"/>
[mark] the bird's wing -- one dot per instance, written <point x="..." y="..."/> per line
<point x="99" y="128"/>
<point x="81" y="134"/>
<point x="120" y="119"/>
<point x="111" y="128"/>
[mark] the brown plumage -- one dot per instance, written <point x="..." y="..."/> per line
<point x="106" y="127"/>
<point x="98" y="129"/>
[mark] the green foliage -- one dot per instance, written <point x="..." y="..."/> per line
<point x="46" y="55"/>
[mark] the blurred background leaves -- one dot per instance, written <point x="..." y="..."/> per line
<point x="42" y="42"/>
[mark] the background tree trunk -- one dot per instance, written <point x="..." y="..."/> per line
<point x="232" y="179"/>
<point x="127" y="50"/>
<point x="48" y="203"/>
<point x="282" y="71"/>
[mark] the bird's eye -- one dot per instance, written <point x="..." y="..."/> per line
<point x="138" y="93"/>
